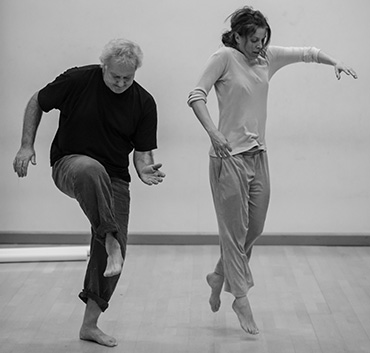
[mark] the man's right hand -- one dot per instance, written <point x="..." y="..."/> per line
<point x="22" y="159"/>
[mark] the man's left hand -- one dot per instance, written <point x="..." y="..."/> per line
<point x="151" y="175"/>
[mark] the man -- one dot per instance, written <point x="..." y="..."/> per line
<point x="104" y="115"/>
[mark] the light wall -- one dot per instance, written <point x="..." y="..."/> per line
<point x="318" y="128"/>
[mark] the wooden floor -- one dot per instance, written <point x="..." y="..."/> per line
<point x="305" y="299"/>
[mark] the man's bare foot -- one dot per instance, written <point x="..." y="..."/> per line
<point x="94" y="334"/>
<point x="215" y="281"/>
<point x="243" y="310"/>
<point x="114" y="260"/>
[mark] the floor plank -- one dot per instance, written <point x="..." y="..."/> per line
<point x="305" y="300"/>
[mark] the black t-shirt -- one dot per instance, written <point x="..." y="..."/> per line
<point x="97" y="122"/>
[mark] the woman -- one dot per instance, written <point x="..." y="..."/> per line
<point x="240" y="71"/>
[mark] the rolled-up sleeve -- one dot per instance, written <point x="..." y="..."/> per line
<point x="310" y="55"/>
<point x="215" y="67"/>
<point x="279" y="57"/>
<point x="197" y="94"/>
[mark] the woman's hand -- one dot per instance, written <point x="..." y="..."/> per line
<point x="220" y="144"/>
<point x="340" y="67"/>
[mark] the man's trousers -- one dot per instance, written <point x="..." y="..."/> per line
<point x="106" y="203"/>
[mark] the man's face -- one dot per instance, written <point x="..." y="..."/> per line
<point x="117" y="76"/>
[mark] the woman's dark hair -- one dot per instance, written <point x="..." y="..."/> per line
<point x="245" y="22"/>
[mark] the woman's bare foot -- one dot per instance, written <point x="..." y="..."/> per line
<point x="94" y="334"/>
<point x="216" y="282"/>
<point x="243" y="310"/>
<point x="114" y="260"/>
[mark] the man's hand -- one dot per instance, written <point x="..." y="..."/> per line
<point x="151" y="175"/>
<point x="26" y="153"/>
<point x="22" y="159"/>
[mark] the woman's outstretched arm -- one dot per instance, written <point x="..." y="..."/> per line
<point x="339" y="67"/>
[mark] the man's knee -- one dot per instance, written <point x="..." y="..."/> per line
<point x="89" y="169"/>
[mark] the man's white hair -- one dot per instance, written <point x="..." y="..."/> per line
<point x="122" y="51"/>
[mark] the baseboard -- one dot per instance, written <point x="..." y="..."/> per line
<point x="299" y="239"/>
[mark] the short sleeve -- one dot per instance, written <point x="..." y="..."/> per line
<point x="145" y="137"/>
<point x="54" y="94"/>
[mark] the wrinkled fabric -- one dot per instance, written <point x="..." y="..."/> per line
<point x="242" y="91"/>
<point x="240" y="187"/>
<point x="106" y="203"/>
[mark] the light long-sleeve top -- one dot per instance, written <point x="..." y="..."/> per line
<point x="242" y="91"/>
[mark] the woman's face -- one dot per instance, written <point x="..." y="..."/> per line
<point x="252" y="45"/>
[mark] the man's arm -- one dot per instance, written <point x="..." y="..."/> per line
<point x="26" y="153"/>
<point x="147" y="170"/>
<point x="339" y="67"/>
